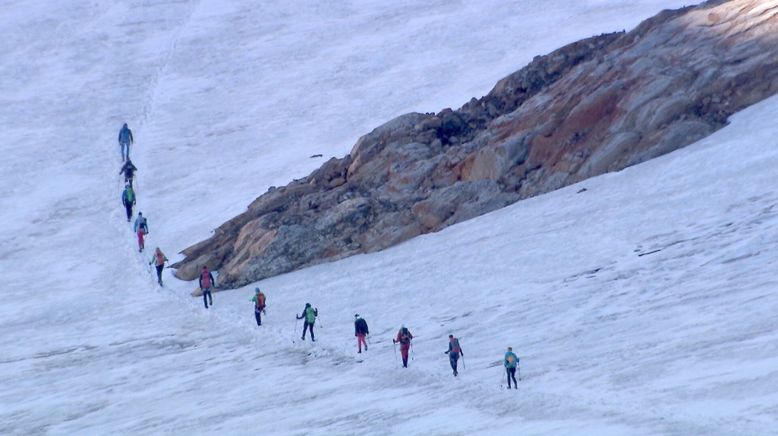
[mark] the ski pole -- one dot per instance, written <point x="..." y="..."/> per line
<point x="412" y="351"/>
<point x="518" y="368"/>
<point x="463" y="362"/>
<point x="394" y="344"/>
<point x="296" y="323"/>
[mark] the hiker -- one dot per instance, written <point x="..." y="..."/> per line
<point x="259" y="305"/>
<point x="206" y="283"/>
<point x="309" y="314"/>
<point x="128" y="200"/>
<point x="404" y="337"/>
<point x="360" y="331"/>
<point x="141" y="228"/>
<point x="129" y="171"/>
<point x="158" y="259"/>
<point x="125" y="139"/>
<point x="454" y="351"/>
<point x="511" y="361"/>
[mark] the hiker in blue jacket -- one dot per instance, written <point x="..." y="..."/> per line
<point x="510" y="362"/>
<point x="454" y="351"/>
<point x="125" y="139"/>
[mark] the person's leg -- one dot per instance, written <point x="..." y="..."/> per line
<point x="404" y="353"/>
<point x="310" y="326"/>
<point x="205" y="298"/>
<point x="508" y="372"/>
<point x="258" y="316"/>
<point x="128" y="209"/>
<point x="210" y="297"/>
<point x="305" y="327"/>
<point x="513" y="376"/>
<point x="159" y="273"/>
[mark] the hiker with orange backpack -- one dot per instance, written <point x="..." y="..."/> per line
<point x="404" y="338"/>
<point x="259" y="305"/>
<point x="158" y="259"/>
<point x="206" y="283"/>
<point x="454" y="351"/>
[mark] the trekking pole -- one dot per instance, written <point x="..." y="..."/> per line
<point x="296" y="323"/>
<point x="518" y="368"/>
<point x="463" y="362"/>
<point x="395" y="353"/>
<point x="412" y="351"/>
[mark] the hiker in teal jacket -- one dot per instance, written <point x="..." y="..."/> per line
<point x="511" y="362"/>
<point x="309" y="314"/>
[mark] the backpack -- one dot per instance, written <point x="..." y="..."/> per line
<point x="160" y="258"/>
<point x="143" y="226"/>
<point x="455" y="346"/>
<point x="206" y="279"/>
<point x="310" y="315"/>
<point x="261" y="301"/>
<point x="405" y="337"/>
<point x="129" y="196"/>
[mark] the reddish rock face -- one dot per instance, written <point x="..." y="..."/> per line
<point x="597" y="105"/>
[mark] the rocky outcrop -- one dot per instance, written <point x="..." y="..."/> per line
<point x="594" y="106"/>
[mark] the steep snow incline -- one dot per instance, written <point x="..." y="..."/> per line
<point x="226" y="100"/>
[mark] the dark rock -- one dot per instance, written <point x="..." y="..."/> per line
<point x="597" y="105"/>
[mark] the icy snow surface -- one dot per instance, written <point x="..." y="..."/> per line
<point x="644" y="305"/>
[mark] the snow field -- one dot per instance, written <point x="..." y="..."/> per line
<point x="226" y="99"/>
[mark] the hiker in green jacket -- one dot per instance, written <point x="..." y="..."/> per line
<point x="309" y="314"/>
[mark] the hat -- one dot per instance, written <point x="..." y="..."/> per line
<point x="356" y="315"/>
<point x="307" y="304"/>
<point x="256" y="289"/>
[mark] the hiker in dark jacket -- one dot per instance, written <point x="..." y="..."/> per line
<point x="128" y="169"/>
<point x="206" y="283"/>
<point x="404" y="337"/>
<point x="309" y="315"/>
<point x="360" y="331"/>
<point x="454" y="351"/>
<point x="125" y="139"/>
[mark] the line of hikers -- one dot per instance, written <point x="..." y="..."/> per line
<point x="404" y="336"/>
<point x="129" y="199"/>
<point x="309" y="314"/>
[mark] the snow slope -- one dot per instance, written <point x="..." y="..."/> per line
<point x="227" y="99"/>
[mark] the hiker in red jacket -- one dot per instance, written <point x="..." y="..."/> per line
<point x="404" y="337"/>
<point x="206" y="283"/>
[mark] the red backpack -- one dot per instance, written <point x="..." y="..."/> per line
<point x="206" y="279"/>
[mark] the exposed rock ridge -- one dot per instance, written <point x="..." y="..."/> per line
<point x="597" y="105"/>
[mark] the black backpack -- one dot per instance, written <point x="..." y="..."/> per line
<point x="405" y="337"/>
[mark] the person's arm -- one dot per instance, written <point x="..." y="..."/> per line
<point x="213" y="281"/>
<point x="367" y="330"/>
<point x="200" y="281"/>
<point x="316" y="312"/>
<point x="132" y="140"/>
<point x="356" y="328"/>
